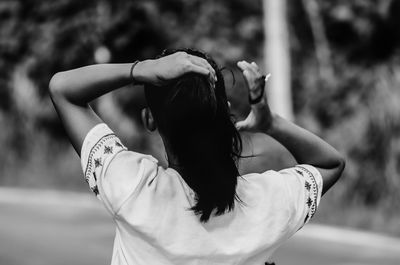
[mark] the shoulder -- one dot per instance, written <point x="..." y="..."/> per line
<point x="265" y="194"/>
<point x="296" y="192"/>
<point x="111" y="170"/>
<point x="298" y="177"/>
<point x="267" y="180"/>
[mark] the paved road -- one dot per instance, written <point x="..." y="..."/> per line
<point x="54" y="229"/>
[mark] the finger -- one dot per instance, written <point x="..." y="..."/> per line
<point x="247" y="72"/>
<point x="252" y="68"/>
<point x="241" y="125"/>
<point x="244" y="65"/>
<point x="200" y="62"/>
<point x="204" y="63"/>
<point x="198" y="69"/>
<point x="255" y="66"/>
<point x="249" y="76"/>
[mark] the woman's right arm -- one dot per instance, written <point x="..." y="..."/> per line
<point x="306" y="147"/>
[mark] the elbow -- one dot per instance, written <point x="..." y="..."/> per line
<point x="56" y="85"/>
<point x="341" y="164"/>
<point x="334" y="174"/>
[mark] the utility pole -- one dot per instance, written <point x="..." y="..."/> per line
<point x="277" y="57"/>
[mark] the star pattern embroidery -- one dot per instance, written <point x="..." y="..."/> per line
<point x="106" y="145"/>
<point x="95" y="189"/>
<point x="298" y="171"/>
<point x="309" y="202"/>
<point x="97" y="162"/>
<point x="108" y="149"/>
<point x="307" y="185"/>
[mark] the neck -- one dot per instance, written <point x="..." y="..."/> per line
<point x="171" y="158"/>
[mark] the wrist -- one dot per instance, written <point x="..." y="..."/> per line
<point x="139" y="72"/>
<point x="272" y="125"/>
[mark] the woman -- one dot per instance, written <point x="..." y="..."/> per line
<point x="199" y="210"/>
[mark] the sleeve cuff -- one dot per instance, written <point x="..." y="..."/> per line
<point x="98" y="148"/>
<point x="93" y="137"/>
<point x="313" y="188"/>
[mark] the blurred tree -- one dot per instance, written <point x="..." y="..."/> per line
<point x="357" y="110"/>
<point x="321" y="44"/>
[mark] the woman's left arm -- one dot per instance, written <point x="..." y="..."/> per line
<point x="71" y="91"/>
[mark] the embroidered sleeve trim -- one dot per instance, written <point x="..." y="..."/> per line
<point x="107" y="145"/>
<point x="311" y="191"/>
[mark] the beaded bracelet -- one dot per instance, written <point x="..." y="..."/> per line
<point x="260" y="97"/>
<point x="134" y="82"/>
<point x="256" y="100"/>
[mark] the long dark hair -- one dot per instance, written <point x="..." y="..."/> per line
<point x="194" y="117"/>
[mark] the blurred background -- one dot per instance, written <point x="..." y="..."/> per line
<point x="334" y="64"/>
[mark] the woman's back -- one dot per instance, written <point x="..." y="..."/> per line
<point x="151" y="207"/>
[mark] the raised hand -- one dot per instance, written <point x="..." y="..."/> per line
<point x="260" y="117"/>
<point x="160" y="71"/>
